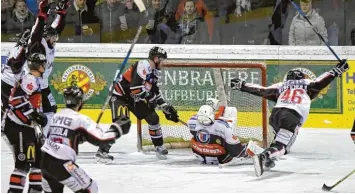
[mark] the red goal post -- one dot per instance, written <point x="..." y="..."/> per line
<point x="187" y="84"/>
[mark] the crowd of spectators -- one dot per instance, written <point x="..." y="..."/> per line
<point x="190" y="21"/>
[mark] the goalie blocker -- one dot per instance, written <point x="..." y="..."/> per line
<point x="137" y="91"/>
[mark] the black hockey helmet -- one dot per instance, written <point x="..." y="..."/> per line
<point x="49" y="32"/>
<point x="157" y="52"/>
<point x="73" y="95"/>
<point x="295" y="74"/>
<point x="35" y="60"/>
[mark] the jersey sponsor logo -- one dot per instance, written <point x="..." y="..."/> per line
<point x="192" y="126"/>
<point x="21" y="157"/>
<point x="81" y="76"/>
<point x="31" y="153"/>
<point x="123" y="111"/>
<point x="203" y="136"/>
<point x="30" y="86"/>
<point x="312" y="76"/>
<point x="207" y="149"/>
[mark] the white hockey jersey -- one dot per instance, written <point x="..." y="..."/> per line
<point x="296" y="95"/>
<point x="50" y="54"/>
<point x="217" y="141"/>
<point x="67" y="129"/>
<point x="17" y="55"/>
<point x="24" y="99"/>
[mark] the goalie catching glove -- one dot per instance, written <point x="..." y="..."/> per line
<point x="170" y="113"/>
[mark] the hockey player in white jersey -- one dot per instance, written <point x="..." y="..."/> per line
<point x="213" y="139"/>
<point x="11" y="72"/>
<point x="20" y="127"/>
<point x="293" y="99"/>
<point x="43" y="40"/>
<point x="67" y="129"/>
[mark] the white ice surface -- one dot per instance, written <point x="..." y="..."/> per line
<point x="318" y="156"/>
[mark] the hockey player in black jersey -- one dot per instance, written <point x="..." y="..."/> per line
<point x="21" y="123"/>
<point x="66" y="130"/>
<point x="293" y="99"/>
<point x="138" y="90"/>
<point x="43" y="40"/>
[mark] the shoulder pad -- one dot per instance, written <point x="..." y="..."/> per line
<point x="30" y="84"/>
<point x="143" y="69"/>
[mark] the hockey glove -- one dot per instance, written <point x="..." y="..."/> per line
<point x="340" y="68"/>
<point x="121" y="126"/>
<point x="62" y="6"/>
<point x="237" y="84"/>
<point x="151" y="99"/>
<point x="23" y="38"/>
<point x="170" y="113"/>
<point x="40" y="118"/>
<point x="43" y="8"/>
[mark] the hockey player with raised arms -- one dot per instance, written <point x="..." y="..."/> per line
<point x="43" y="40"/>
<point x="213" y="140"/>
<point x="11" y="72"/>
<point x="20" y="123"/>
<point x="138" y="91"/>
<point x="293" y="99"/>
<point x="66" y="130"/>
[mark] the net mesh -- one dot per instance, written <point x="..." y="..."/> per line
<point x="187" y="88"/>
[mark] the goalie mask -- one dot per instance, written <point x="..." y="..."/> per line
<point x="205" y="115"/>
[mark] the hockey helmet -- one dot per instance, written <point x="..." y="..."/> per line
<point x="214" y="103"/>
<point x="295" y="74"/>
<point x="35" y="60"/>
<point x="73" y="96"/>
<point x="49" y="32"/>
<point x="205" y="115"/>
<point x="157" y="52"/>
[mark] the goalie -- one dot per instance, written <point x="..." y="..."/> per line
<point x="213" y="141"/>
<point x="293" y="102"/>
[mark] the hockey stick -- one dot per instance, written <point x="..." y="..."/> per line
<point x="141" y="8"/>
<point x="314" y="29"/>
<point x="328" y="188"/>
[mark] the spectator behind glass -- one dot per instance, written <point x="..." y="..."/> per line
<point x="130" y="19"/>
<point x="202" y="10"/>
<point x="301" y="33"/>
<point x="190" y="26"/>
<point x="155" y="25"/>
<point x="108" y="13"/>
<point x="5" y="8"/>
<point x="79" y="15"/>
<point x="19" y="19"/>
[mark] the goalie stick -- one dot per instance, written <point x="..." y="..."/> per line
<point x="328" y="188"/>
<point x="141" y="8"/>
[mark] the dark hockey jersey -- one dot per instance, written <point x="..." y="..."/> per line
<point x="67" y="129"/>
<point x="140" y="83"/>
<point x="25" y="99"/>
<point x="38" y="44"/>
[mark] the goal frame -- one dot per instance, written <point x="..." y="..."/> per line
<point x="220" y="65"/>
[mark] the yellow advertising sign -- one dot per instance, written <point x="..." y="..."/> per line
<point x="349" y="93"/>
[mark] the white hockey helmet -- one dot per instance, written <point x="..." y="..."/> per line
<point x="214" y="103"/>
<point x="205" y="115"/>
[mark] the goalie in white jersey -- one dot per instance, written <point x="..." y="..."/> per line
<point x="293" y="99"/>
<point x="67" y="129"/>
<point x="213" y="139"/>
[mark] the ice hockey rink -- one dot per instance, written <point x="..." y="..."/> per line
<point x="318" y="156"/>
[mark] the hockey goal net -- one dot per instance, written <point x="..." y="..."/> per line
<point x="187" y="84"/>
